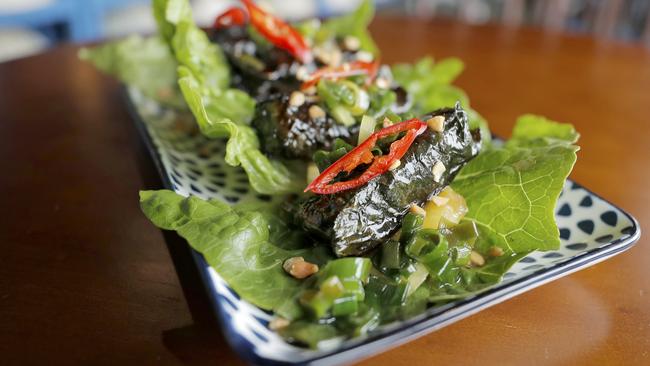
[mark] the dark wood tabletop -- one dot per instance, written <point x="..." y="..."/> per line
<point x="86" y="279"/>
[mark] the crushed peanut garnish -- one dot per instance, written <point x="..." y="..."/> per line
<point x="302" y="73"/>
<point x="436" y="123"/>
<point x="316" y="112"/>
<point x="310" y="91"/>
<point x="476" y="259"/>
<point x="382" y="83"/>
<point x="417" y="210"/>
<point x="299" y="268"/>
<point x="351" y="43"/>
<point x="496" y="251"/>
<point x="278" y="323"/>
<point x="328" y="55"/>
<point x="395" y="165"/>
<point x="438" y="169"/>
<point x="296" y="99"/>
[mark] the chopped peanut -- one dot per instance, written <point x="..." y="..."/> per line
<point x="299" y="268"/>
<point x="436" y="123"/>
<point x="316" y="112"/>
<point x="438" y="169"/>
<point x="328" y="55"/>
<point x="278" y="323"/>
<point x="351" y="43"/>
<point x="476" y="259"/>
<point x="395" y="165"/>
<point x="302" y="73"/>
<point x="417" y="210"/>
<point x="296" y="99"/>
<point x="382" y="83"/>
<point x="496" y="251"/>
<point x="310" y="91"/>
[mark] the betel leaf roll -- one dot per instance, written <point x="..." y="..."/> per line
<point x="293" y="132"/>
<point x="261" y="69"/>
<point x="358" y="220"/>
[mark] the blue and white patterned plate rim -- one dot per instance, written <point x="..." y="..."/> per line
<point x="402" y="332"/>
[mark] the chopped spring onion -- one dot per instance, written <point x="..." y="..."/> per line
<point x="362" y="102"/>
<point x="461" y="254"/>
<point x="342" y="115"/>
<point x="313" y="335"/>
<point x="332" y="287"/>
<point x="410" y="225"/>
<point x="422" y="242"/>
<point x="344" y="100"/>
<point x="431" y="249"/>
<point x="316" y="302"/>
<point x="351" y="267"/>
<point x="312" y="172"/>
<point x="390" y="255"/>
<point x="354" y="287"/>
<point x="448" y="214"/>
<point x="345" y="306"/>
<point x="464" y="233"/>
<point x="366" y="128"/>
<point x="416" y="278"/>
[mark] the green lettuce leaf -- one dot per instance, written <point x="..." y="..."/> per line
<point x="511" y="191"/>
<point x="531" y="129"/>
<point x="236" y="243"/>
<point x="215" y="112"/>
<point x="430" y="85"/>
<point x="166" y="28"/>
<point x="190" y="44"/>
<point x="352" y="24"/>
<point x="215" y="109"/>
<point x="424" y="73"/>
<point x="220" y="111"/>
<point x="143" y="63"/>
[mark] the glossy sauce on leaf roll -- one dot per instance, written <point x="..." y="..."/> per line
<point x="356" y="221"/>
<point x="294" y="132"/>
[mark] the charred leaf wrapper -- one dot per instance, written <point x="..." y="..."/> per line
<point x="290" y="132"/>
<point x="356" y="221"/>
<point x="261" y="71"/>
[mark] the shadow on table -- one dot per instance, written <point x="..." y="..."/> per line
<point x="201" y="342"/>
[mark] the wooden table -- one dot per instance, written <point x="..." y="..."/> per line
<point x="85" y="279"/>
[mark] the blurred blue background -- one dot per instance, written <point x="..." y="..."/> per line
<point x="31" y="26"/>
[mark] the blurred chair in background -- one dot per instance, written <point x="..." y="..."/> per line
<point x="30" y="26"/>
<point x="623" y="19"/>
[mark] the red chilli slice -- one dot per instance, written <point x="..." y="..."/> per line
<point x="345" y="70"/>
<point x="362" y="154"/>
<point x="232" y="16"/>
<point x="281" y="34"/>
